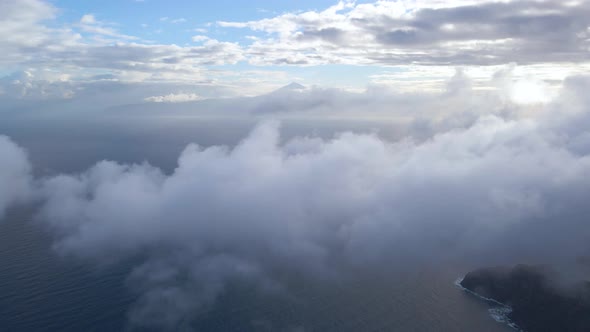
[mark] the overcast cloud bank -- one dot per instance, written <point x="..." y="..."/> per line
<point x="503" y="187"/>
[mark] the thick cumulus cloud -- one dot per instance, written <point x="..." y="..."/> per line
<point x="499" y="189"/>
<point x="15" y="174"/>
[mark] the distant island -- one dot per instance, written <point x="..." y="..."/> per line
<point x="534" y="298"/>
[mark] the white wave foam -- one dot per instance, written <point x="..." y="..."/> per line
<point x="499" y="314"/>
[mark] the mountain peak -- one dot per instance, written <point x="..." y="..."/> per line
<point x="293" y="86"/>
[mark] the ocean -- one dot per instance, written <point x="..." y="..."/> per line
<point x="44" y="292"/>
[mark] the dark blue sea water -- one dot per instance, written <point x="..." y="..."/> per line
<point x="41" y="291"/>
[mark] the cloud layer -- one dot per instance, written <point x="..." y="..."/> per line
<point x="392" y="38"/>
<point x="487" y="180"/>
<point x="33" y="39"/>
<point x="499" y="189"/>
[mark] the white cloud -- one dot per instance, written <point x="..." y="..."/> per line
<point x="174" y="98"/>
<point x="88" y="19"/>
<point x="37" y="85"/>
<point x="424" y="32"/>
<point x="484" y="171"/>
<point x="15" y="175"/>
<point x="29" y="40"/>
<point x="200" y="38"/>
<point x="347" y="33"/>
<point x="315" y="206"/>
<point x="178" y="20"/>
<point x="23" y="32"/>
<point x="88" y="23"/>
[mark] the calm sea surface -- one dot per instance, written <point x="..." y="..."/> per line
<point x="43" y="292"/>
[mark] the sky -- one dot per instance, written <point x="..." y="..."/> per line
<point x="253" y="49"/>
<point x="428" y="131"/>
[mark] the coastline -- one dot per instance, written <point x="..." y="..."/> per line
<point x="500" y="313"/>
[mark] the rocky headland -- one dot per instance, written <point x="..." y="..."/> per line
<point x="538" y="297"/>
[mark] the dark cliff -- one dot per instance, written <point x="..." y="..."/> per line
<point x="539" y="301"/>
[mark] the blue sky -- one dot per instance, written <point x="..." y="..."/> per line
<point x="131" y="16"/>
<point x="137" y="12"/>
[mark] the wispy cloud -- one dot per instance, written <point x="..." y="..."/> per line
<point x="88" y="23"/>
